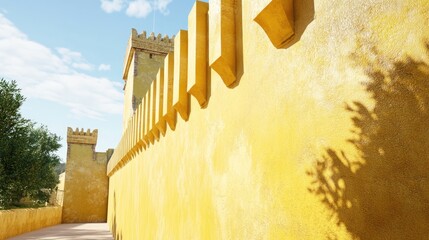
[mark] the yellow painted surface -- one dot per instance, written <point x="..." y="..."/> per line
<point x="86" y="184"/>
<point x="197" y="52"/>
<point x="324" y="139"/>
<point x="277" y="20"/>
<point x="58" y="196"/>
<point x="19" y="221"/>
<point x="222" y="57"/>
<point x="180" y="83"/>
<point x="143" y="58"/>
<point x="128" y="95"/>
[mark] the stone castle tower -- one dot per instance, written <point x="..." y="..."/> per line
<point x="144" y="57"/>
<point x="86" y="183"/>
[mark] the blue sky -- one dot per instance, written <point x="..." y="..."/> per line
<point x="67" y="57"/>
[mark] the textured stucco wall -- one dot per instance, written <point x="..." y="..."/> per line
<point x="60" y="189"/>
<point x="57" y="196"/>
<point x="86" y="185"/>
<point x="146" y="70"/>
<point x="128" y="94"/>
<point x="19" y="221"/>
<point x="325" y="139"/>
<point x="142" y="70"/>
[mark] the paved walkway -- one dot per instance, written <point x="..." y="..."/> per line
<point x="98" y="231"/>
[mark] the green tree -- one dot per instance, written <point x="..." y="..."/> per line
<point x="27" y="152"/>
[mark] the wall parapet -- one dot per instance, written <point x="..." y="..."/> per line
<point x="153" y="44"/>
<point x="276" y="18"/>
<point x="18" y="221"/>
<point x="189" y="58"/>
<point x="81" y="136"/>
<point x="184" y="74"/>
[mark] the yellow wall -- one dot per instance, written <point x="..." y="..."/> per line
<point x="86" y="184"/>
<point x="19" y="221"/>
<point x="128" y="95"/>
<point x="146" y="69"/>
<point x="144" y="56"/>
<point x="324" y="138"/>
<point x="138" y="80"/>
<point x="60" y="189"/>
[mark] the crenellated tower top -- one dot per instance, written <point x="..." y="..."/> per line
<point x="81" y="136"/>
<point x="157" y="44"/>
<point x="160" y="45"/>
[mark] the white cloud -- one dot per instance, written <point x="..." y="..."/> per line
<point x="83" y="66"/>
<point x="74" y="59"/>
<point x="162" y="5"/>
<point x="68" y="55"/>
<point x="104" y="67"/>
<point x="136" y="8"/>
<point x="139" y="8"/>
<point x="7" y="29"/>
<point x="44" y="74"/>
<point x="110" y="6"/>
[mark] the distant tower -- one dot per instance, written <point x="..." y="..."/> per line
<point x="144" y="56"/>
<point x="86" y="184"/>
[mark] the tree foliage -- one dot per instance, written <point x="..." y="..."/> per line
<point x="27" y="152"/>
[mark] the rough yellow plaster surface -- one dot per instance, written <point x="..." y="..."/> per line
<point x="128" y="95"/>
<point x="180" y="79"/>
<point x="19" y="221"/>
<point x="222" y="57"/>
<point x="324" y="139"/>
<point x="197" y="51"/>
<point x="86" y="184"/>
<point x="144" y="56"/>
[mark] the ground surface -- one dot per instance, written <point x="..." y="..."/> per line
<point x="98" y="231"/>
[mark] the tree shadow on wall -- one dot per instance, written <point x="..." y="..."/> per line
<point x="385" y="193"/>
<point x="116" y="234"/>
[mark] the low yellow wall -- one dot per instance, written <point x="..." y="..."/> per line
<point x="19" y="221"/>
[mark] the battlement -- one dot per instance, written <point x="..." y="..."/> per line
<point x="141" y="42"/>
<point x="143" y="37"/>
<point x="188" y="59"/>
<point x="81" y="136"/>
